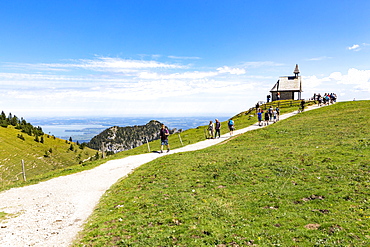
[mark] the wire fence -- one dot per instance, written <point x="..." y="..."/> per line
<point x="274" y="104"/>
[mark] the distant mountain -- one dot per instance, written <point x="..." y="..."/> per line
<point x="117" y="139"/>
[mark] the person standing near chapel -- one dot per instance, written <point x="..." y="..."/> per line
<point x="164" y="133"/>
<point x="218" y="128"/>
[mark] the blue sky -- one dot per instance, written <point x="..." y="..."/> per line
<point x="175" y="58"/>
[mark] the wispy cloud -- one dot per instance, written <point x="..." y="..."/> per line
<point x="358" y="47"/>
<point x="100" y="64"/>
<point x="185" y="75"/>
<point x="117" y="78"/>
<point x="319" y="58"/>
<point x="261" y="64"/>
<point x="233" y="71"/>
<point x="184" y="58"/>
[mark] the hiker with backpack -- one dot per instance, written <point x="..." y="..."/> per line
<point x="164" y="133"/>
<point x="231" y="126"/>
<point x="259" y="114"/>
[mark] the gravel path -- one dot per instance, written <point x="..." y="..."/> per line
<point x="51" y="213"/>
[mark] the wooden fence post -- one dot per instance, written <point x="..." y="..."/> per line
<point x="103" y="148"/>
<point x="148" y="145"/>
<point x="23" y="171"/>
<point x="182" y="144"/>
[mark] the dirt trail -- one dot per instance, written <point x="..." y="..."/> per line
<point x="51" y="213"/>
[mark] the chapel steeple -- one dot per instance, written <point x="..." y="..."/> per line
<point x="296" y="71"/>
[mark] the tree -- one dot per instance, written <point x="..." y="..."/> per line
<point x="2" y="116"/>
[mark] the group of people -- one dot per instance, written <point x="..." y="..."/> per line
<point x="269" y="115"/>
<point x="214" y="129"/>
<point x="264" y="118"/>
<point x="326" y="99"/>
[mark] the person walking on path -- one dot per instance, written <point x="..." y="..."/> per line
<point x="211" y="129"/>
<point x="259" y="114"/>
<point x="274" y="114"/>
<point x="271" y="109"/>
<point x="267" y="117"/>
<point x="231" y="126"/>
<point x="218" y="128"/>
<point x="164" y="133"/>
<point x="277" y="113"/>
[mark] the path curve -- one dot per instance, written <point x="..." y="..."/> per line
<point x="51" y="213"/>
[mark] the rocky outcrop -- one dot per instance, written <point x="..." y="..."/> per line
<point x="116" y="139"/>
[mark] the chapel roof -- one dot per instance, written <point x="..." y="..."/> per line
<point x="288" y="83"/>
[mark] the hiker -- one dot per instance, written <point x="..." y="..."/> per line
<point x="231" y="126"/>
<point x="267" y="119"/>
<point x="268" y="98"/>
<point x="217" y="128"/>
<point x="259" y="114"/>
<point x="164" y="133"/>
<point x="274" y="114"/>
<point x="257" y="107"/>
<point x="277" y="113"/>
<point x="211" y="129"/>
<point x="271" y="109"/>
<point x="319" y="100"/>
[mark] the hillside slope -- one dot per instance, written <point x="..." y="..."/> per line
<point x="39" y="157"/>
<point x="303" y="181"/>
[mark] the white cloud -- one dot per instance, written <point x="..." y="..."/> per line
<point x="359" y="78"/>
<point x="233" y="71"/>
<point x="319" y="58"/>
<point x="354" y="84"/>
<point x="261" y="64"/>
<point x="185" y="58"/>
<point x="101" y="64"/>
<point x="122" y="86"/>
<point x="186" y="75"/>
<point x="354" y="47"/>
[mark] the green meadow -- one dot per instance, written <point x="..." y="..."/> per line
<point x="55" y="158"/>
<point x="42" y="161"/>
<point x="303" y="181"/>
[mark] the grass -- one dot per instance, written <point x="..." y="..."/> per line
<point x="41" y="160"/>
<point x="62" y="161"/>
<point x="303" y="181"/>
<point x="191" y="136"/>
<point x="2" y="216"/>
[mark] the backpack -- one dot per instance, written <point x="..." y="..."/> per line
<point x="231" y="122"/>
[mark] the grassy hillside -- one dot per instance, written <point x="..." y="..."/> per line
<point x="190" y="136"/>
<point x="39" y="158"/>
<point x="63" y="161"/>
<point x="303" y="181"/>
